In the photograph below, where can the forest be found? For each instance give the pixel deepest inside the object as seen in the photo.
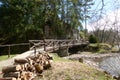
(23, 20)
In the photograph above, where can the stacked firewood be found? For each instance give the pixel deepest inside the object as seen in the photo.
(28, 68)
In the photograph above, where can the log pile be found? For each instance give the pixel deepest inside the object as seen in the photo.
(28, 68)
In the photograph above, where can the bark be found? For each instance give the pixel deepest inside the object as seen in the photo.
(13, 68)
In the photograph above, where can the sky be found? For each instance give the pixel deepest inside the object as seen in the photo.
(98, 4)
(110, 8)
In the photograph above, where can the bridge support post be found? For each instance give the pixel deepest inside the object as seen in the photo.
(63, 52)
(44, 45)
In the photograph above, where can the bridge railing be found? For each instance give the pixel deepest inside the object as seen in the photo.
(9, 47)
(53, 43)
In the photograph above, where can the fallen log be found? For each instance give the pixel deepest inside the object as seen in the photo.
(20, 61)
(12, 74)
(10, 78)
(13, 68)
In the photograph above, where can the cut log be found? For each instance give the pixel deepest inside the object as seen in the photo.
(27, 75)
(32, 58)
(22, 67)
(30, 61)
(47, 64)
(27, 68)
(39, 68)
(12, 74)
(20, 61)
(10, 78)
(13, 68)
(18, 78)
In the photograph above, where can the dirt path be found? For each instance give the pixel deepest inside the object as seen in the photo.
(23, 55)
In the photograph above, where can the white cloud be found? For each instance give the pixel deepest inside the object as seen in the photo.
(111, 20)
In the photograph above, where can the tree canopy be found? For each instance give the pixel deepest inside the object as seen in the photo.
(26, 19)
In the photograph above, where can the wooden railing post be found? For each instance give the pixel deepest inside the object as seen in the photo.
(34, 50)
(44, 45)
(9, 51)
(72, 42)
(59, 45)
(53, 46)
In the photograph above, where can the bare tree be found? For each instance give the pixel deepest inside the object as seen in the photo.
(106, 25)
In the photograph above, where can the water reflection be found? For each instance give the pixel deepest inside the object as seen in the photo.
(111, 65)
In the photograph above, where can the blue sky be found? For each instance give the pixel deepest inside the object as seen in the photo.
(109, 5)
(109, 9)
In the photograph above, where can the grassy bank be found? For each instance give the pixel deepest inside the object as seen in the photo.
(72, 70)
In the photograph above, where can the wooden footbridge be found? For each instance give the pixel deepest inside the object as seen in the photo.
(51, 44)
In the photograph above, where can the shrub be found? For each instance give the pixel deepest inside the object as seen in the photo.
(93, 39)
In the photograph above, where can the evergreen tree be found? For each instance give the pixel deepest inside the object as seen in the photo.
(26, 19)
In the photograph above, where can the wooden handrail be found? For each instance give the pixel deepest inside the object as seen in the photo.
(10, 45)
(56, 43)
(14, 44)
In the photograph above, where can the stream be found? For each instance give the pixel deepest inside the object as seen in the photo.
(111, 65)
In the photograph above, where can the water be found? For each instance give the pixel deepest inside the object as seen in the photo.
(111, 65)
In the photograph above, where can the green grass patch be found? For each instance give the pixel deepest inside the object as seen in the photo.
(57, 58)
(4, 57)
(94, 45)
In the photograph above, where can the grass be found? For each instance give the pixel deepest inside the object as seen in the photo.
(63, 69)
(4, 57)
(56, 58)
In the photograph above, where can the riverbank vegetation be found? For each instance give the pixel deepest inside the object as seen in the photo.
(97, 46)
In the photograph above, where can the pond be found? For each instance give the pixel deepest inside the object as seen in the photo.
(111, 65)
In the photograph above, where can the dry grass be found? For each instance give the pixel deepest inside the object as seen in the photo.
(73, 70)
